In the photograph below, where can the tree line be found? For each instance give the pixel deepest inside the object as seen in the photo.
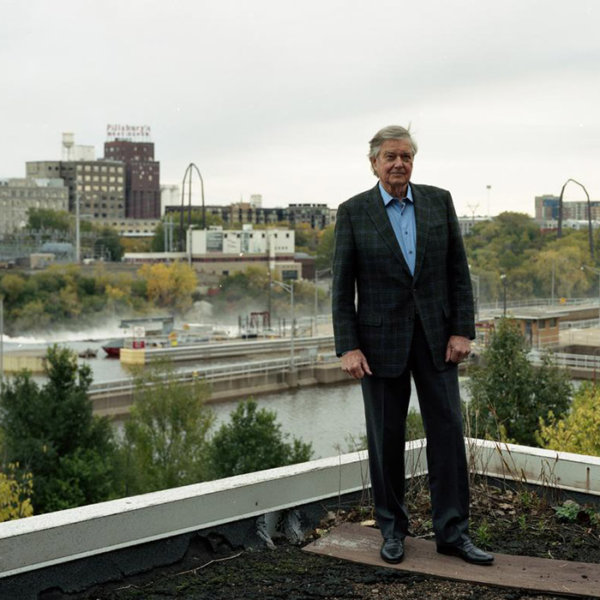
(536, 263)
(66, 296)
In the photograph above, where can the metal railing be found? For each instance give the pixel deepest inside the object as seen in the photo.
(218, 372)
(573, 361)
(215, 350)
(575, 325)
(541, 302)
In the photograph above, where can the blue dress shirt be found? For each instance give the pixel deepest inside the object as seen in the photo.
(401, 212)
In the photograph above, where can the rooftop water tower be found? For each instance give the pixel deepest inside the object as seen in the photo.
(68, 141)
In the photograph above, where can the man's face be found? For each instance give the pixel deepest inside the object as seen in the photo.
(393, 165)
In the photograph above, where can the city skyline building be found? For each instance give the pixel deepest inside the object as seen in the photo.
(142, 175)
(216, 252)
(98, 185)
(547, 206)
(19, 195)
(317, 216)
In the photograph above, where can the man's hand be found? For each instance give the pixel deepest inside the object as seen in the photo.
(354, 363)
(458, 348)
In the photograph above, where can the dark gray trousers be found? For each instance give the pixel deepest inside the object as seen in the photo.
(386, 404)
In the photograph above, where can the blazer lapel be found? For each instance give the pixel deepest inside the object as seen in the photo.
(422, 219)
(378, 214)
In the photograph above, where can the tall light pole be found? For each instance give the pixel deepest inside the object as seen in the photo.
(290, 289)
(317, 273)
(77, 225)
(476, 278)
(504, 282)
(189, 244)
(553, 281)
(597, 271)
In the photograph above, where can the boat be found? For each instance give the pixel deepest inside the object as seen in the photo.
(113, 347)
(88, 353)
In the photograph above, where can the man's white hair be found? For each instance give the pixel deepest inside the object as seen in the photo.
(391, 132)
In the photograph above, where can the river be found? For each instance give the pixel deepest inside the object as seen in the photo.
(330, 417)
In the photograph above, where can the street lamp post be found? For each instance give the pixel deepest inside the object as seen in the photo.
(189, 244)
(504, 282)
(289, 288)
(317, 273)
(77, 228)
(476, 279)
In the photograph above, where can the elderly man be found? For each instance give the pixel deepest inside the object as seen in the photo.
(402, 306)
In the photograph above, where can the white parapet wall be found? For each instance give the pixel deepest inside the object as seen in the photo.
(55, 538)
(562, 470)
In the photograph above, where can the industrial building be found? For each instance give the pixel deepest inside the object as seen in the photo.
(18, 195)
(142, 176)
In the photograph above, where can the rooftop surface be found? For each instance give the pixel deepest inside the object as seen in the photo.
(208, 540)
(342, 563)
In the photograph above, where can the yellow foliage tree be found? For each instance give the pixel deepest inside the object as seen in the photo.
(69, 300)
(15, 494)
(116, 293)
(579, 431)
(170, 286)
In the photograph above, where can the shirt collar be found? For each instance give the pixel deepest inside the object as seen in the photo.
(387, 198)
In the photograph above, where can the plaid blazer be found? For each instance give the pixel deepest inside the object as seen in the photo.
(375, 298)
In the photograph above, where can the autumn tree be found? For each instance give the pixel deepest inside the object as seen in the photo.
(508, 394)
(170, 285)
(244, 287)
(577, 431)
(165, 442)
(50, 432)
(253, 441)
(15, 494)
(306, 238)
(502, 243)
(557, 270)
(325, 247)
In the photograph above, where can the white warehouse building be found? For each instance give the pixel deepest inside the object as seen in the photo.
(269, 242)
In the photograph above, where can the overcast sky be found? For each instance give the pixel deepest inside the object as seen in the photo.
(280, 98)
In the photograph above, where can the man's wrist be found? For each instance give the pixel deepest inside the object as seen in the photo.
(347, 351)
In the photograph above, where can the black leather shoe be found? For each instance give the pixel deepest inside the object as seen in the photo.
(466, 550)
(392, 550)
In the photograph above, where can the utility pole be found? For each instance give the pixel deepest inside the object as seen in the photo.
(77, 228)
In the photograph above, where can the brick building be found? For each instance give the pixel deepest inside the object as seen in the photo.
(142, 176)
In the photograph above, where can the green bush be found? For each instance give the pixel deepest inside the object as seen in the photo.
(509, 395)
(253, 441)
